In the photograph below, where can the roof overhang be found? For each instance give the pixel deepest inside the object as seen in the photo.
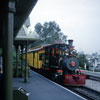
(22, 10)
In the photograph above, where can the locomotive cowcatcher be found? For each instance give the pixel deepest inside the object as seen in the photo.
(58, 62)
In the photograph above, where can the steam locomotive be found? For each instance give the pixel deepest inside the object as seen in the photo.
(58, 62)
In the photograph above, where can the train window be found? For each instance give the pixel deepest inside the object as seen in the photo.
(40, 56)
(52, 51)
(60, 52)
(47, 50)
(63, 52)
(33, 55)
(57, 51)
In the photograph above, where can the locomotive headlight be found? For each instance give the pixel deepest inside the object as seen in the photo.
(73, 63)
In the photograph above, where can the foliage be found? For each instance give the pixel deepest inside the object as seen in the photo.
(82, 60)
(49, 32)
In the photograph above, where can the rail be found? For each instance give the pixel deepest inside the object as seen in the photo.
(92, 75)
(88, 93)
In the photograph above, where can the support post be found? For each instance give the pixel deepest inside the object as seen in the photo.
(8, 52)
(22, 60)
(16, 69)
(26, 77)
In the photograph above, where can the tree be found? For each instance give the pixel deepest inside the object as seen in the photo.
(82, 60)
(49, 32)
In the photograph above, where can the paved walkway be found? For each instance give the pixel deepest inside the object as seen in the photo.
(41, 88)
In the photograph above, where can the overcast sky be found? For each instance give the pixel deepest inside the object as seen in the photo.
(78, 19)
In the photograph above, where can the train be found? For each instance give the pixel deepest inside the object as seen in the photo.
(58, 62)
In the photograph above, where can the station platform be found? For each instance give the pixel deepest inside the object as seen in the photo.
(41, 88)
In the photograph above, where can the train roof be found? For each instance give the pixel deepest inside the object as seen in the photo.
(44, 46)
(39, 47)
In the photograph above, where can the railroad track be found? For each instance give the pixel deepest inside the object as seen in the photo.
(94, 78)
(92, 75)
(89, 94)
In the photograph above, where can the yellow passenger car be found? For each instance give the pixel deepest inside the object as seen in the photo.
(35, 57)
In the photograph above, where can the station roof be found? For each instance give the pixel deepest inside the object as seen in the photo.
(25, 35)
(22, 10)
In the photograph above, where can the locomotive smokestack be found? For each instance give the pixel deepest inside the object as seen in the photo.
(70, 43)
